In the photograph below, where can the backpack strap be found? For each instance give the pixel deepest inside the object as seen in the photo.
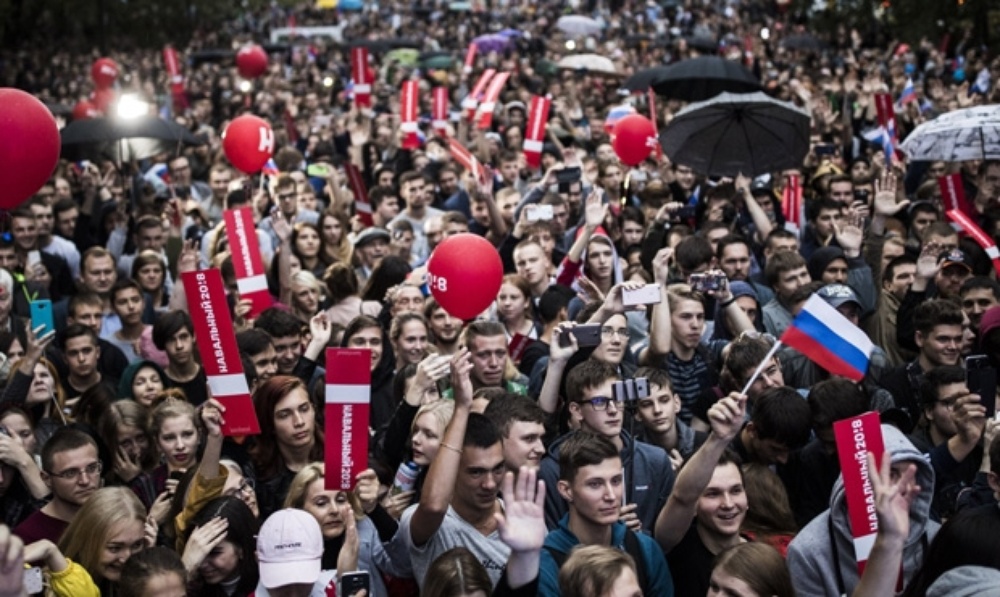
(634, 549)
(559, 556)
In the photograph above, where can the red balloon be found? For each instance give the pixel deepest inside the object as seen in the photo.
(634, 139)
(248, 142)
(251, 61)
(29, 146)
(103, 98)
(465, 273)
(85, 109)
(104, 72)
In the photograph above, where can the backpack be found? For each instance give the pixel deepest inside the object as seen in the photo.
(632, 548)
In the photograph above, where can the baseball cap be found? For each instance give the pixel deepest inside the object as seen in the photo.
(370, 234)
(955, 257)
(838, 294)
(761, 185)
(289, 548)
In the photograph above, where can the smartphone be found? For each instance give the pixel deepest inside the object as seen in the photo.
(541, 212)
(706, 282)
(981, 380)
(586, 335)
(568, 175)
(825, 149)
(352, 583)
(33, 581)
(34, 258)
(41, 316)
(861, 195)
(647, 295)
(318, 170)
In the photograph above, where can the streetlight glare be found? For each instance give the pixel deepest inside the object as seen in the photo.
(130, 106)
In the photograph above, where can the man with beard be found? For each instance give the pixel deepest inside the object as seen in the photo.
(445, 327)
(72, 471)
(50, 243)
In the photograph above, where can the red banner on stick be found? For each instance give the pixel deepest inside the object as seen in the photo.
(471, 101)
(791, 205)
(485, 110)
(470, 59)
(953, 194)
(216, 340)
(534, 138)
(348, 401)
(362, 206)
(984, 240)
(856, 437)
(408, 114)
(465, 159)
(173, 66)
(251, 278)
(362, 76)
(439, 111)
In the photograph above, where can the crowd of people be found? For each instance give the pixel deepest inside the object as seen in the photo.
(565, 441)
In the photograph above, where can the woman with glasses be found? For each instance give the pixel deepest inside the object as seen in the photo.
(219, 549)
(104, 533)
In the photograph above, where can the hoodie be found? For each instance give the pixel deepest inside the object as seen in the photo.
(652, 482)
(967, 581)
(819, 571)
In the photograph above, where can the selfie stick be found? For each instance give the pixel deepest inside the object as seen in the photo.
(767, 359)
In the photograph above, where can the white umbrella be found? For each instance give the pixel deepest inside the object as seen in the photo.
(958, 136)
(579, 25)
(593, 63)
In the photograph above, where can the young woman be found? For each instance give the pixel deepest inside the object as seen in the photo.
(104, 533)
(289, 439)
(156, 571)
(124, 429)
(514, 307)
(307, 295)
(750, 570)
(428, 429)
(331, 509)
(141, 381)
(219, 551)
(22, 490)
(390, 272)
(344, 295)
(408, 334)
(175, 432)
(307, 245)
(34, 386)
(364, 331)
(336, 245)
(148, 270)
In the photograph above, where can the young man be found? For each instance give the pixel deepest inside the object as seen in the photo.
(385, 205)
(127, 303)
(593, 408)
(98, 274)
(978, 294)
(897, 276)
(938, 338)
(285, 331)
(259, 348)
(592, 483)
(148, 234)
(88, 309)
(531, 264)
(786, 272)
(82, 351)
(658, 416)
(821, 231)
(445, 328)
(487, 344)
(370, 247)
(707, 505)
(287, 198)
(24, 229)
(521, 423)
(412, 190)
(72, 471)
(173, 333)
(48, 242)
(735, 259)
(779, 424)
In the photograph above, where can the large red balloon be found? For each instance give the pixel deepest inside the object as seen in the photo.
(248, 142)
(251, 61)
(464, 273)
(29, 146)
(103, 98)
(85, 109)
(104, 72)
(634, 139)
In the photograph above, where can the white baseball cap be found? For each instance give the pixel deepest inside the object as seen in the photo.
(289, 548)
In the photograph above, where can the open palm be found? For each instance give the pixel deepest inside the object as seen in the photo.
(522, 525)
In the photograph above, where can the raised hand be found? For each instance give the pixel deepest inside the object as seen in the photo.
(558, 352)
(203, 540)
(366, 490)
(188, 259)
(661, 265)
(211, 416)
(850, 237)
(461, 366)
(11, 564)
(281, 226)
(594, 211)
(395, 504)
(927, 262)
(522, 524)
(727, 416)
(126, 467)
(36, 345)
(893, 498)
(885, 196)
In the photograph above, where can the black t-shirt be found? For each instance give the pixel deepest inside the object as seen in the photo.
(196, 390)
(690, 565)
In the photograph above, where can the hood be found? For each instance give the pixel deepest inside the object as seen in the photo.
(128, 376)
(901, 450)
(967, 581)
(989, 322)
(821, 259)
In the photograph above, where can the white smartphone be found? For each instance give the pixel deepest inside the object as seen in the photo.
(34, 258)
(647, 295)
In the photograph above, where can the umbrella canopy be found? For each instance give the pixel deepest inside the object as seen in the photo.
(579, 25)
(644, 79)
(958, 136)
(702, 78)
(438, 60)
(123, 140)
(734, 133)
(492, 42)
(404, 56)
(511, 33)
(384, 45)
(702, 43)
(591, 63)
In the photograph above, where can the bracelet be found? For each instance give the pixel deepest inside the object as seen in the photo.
(452, 448)
(727, 303)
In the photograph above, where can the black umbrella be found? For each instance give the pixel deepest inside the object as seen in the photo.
(123, 139)
(644, 79)
(702, 43)
(703, 78)
(384, 45)
(748, 133)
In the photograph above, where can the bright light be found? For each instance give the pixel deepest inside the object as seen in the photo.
(571, 45)
(246, 86)
(130, 106)
(765, 33)
(327, 81)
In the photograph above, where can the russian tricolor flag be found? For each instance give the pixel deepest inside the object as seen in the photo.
(270, 168)
(909, 93)
(829, 339)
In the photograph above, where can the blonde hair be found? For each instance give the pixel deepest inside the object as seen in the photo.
(676, 293)
(169, 409)
(84, 538)
(441, 410)
(591, 570)
(309, 474)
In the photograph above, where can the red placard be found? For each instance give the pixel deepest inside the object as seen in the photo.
(439, 111)
(348, 399)
(472, 100)
(791, 205)
(220, 357)
(516, 347)
(953, 194)
(470, 59)
(362, 206)
(534, 138)
(362, 77)
(408, 114)
(485, 110)
(173, 66)
(465, 159)
(251, 278)
(651, 95)
(856, 437)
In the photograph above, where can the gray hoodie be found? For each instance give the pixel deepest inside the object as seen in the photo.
(967, 581)
(811, 557)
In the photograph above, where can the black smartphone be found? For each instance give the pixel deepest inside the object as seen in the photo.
(568, 175)
(586, 335)
(981, 380)
(825, 149)
(352, 583)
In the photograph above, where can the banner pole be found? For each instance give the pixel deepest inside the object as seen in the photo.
(767, 358)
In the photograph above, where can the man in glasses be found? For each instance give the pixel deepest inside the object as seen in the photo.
(72, 471)
(648, 473)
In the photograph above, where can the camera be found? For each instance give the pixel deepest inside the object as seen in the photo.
(630, 390)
